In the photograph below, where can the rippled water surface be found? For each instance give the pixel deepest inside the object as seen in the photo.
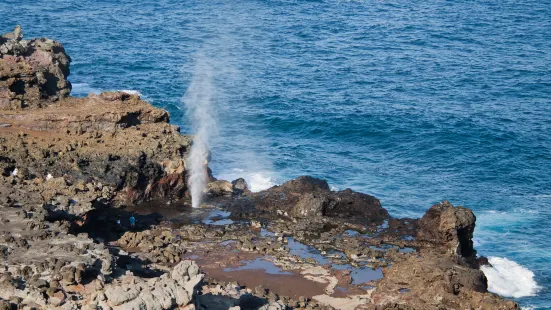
(413, 102)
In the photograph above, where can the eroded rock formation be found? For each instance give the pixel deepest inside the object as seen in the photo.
(118, 141)
(33, 72)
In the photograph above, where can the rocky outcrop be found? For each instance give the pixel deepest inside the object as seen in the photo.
(64, 164)
(430, 281)
(114, 139)
(435, 272)
(33, 73)
(171, 290)
(309, 197)
(164, 248)
(452, 227)
(41, 259)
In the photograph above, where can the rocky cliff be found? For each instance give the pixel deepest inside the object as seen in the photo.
(113, 142)
(62, 158)
(33, 72)
(72, 170)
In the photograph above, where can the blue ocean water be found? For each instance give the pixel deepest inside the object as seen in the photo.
(411, 101)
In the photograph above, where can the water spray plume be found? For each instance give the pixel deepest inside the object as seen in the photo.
(198, 100)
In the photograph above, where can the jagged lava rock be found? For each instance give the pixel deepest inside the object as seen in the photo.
(240, 187)
(451, 226)
(172, 290)
(306, 196)
(114, 138)
(33, 73)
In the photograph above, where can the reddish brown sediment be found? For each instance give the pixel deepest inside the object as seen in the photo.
(222, 264)
(293, 285)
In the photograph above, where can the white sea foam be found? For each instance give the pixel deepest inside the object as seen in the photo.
(259, 182)
(256, 180)
(526, 211)
(131, 92)
(83, 89)
(508, 278)
(497, 212)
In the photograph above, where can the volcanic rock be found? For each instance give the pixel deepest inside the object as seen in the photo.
(219, 188)
(451, 226)
(33, 73)
(310, 197)
(172, 290)
(240, 186)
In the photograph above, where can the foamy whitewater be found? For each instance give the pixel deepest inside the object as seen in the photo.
(508, 278)
(256, 180)
(131, 92)
(198, 100)
(83, 89)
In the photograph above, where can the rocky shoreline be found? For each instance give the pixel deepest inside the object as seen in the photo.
(70, 167)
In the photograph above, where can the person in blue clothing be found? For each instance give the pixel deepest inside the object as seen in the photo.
(132, 220)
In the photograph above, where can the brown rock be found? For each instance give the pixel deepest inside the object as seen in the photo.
(310, 197)
(219, 188)
(57, 299)
(68, 274)
(35, 74)
(453, 226)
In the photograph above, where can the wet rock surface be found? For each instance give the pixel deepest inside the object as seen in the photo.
(74, 170)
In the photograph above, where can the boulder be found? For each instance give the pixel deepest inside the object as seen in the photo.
(219, 188)
(10, 43)
(273, 306)
(239, 186)
(451, 226)
(348, 203)
(311, 204)
(308, 197)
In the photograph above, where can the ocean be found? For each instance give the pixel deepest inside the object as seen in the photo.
(413, 102)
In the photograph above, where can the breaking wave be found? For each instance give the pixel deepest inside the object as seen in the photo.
(83, 89)
(131, 92)
(257, 181)
(508, 278)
